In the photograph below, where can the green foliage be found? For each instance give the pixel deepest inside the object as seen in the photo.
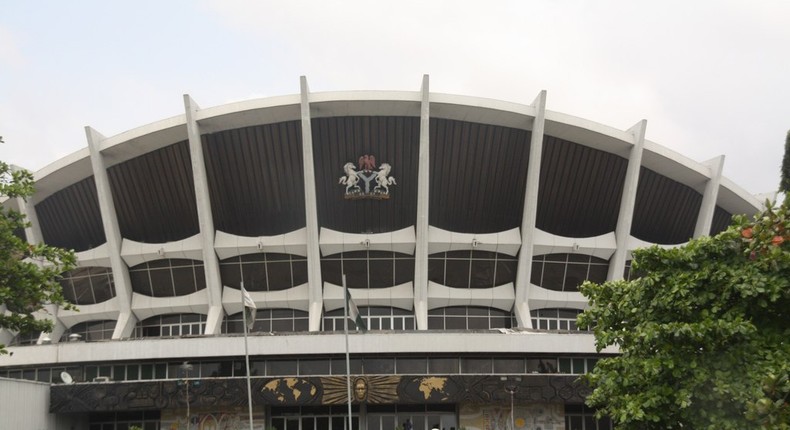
(28, 273)
(704, 336)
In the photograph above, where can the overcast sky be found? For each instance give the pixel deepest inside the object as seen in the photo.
(710, 77)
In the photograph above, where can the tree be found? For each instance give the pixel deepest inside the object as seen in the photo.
(28, 273)
(704, 334)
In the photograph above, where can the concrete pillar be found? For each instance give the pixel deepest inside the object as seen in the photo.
(708, 207)
(205, 220)
(316, 296)
(530, 215)
(120, 272)
(423, 188)
(627, 202)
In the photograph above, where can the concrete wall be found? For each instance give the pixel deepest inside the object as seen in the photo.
(25, 405)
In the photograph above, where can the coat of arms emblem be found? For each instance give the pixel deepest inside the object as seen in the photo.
(366, 174)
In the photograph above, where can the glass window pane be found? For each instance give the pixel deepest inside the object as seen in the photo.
(281, 367)
(314, 367)
(553, 276)
(416, 366)
(279, 275)
(476, 365)
(443, 365)
(381, 366)
(508, 365)
(457, 274)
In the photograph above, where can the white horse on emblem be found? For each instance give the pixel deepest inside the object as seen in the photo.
(383, 180)
(351, 179)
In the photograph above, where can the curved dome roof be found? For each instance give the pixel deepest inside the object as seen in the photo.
(479, 150)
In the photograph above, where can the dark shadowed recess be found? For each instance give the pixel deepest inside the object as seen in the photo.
(256, 179)
(721, 220)
(70, 218)
(154, 195)
(580, 189)
(478, 176)
(665, 211)
(340, 140)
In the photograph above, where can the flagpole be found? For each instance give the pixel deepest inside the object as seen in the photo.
(246, 353)
(348, 359)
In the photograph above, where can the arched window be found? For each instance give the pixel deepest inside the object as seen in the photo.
(376, 318)
(269, 320)
(265, 271)
(88, 285)
(472, 269)
(168, 278)
(555, 319)
(469, 318)
(566, 272)
(91, 330)
(368, 269)
(171, 325)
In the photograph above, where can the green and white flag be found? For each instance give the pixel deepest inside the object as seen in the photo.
(353, 313)
(249, 307)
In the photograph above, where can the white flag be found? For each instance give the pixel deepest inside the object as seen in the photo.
(249, 307)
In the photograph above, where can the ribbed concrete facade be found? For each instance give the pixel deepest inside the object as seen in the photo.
(463, 225)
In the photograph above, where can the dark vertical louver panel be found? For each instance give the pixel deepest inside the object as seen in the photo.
(478, 176)
(392, 140)
(580, 189)
(71, 218)
(256, 179)
(154, 195)
(665, 211)
(721, 220)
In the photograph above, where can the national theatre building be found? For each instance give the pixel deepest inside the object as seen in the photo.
(463, 226)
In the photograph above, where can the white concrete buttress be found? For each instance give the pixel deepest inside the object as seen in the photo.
(708, 207)
(627, 202)
(112, 231)
(314, 281)
(423, 194)
(530, 214)
(205, 220)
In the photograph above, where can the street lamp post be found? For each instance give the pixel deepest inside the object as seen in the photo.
(511, 385)
(186, 368)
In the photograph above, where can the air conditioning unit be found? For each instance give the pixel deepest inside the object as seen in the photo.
(101, 379)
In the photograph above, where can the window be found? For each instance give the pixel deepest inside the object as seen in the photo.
(566, 272)
(469, 318)
(580, 417)
(472, 269)
(91, 330)
(368, 269)
(375, 317)
(171, 326)
(88, 285)
(168, 277)
(555, 319)
(265, 271)
(269, 320)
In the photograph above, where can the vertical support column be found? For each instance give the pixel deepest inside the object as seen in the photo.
(423, 194)
(709, 196)
(120, 272)
(627, 202)
(530, 215)
(314, 281)
(205, 219)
